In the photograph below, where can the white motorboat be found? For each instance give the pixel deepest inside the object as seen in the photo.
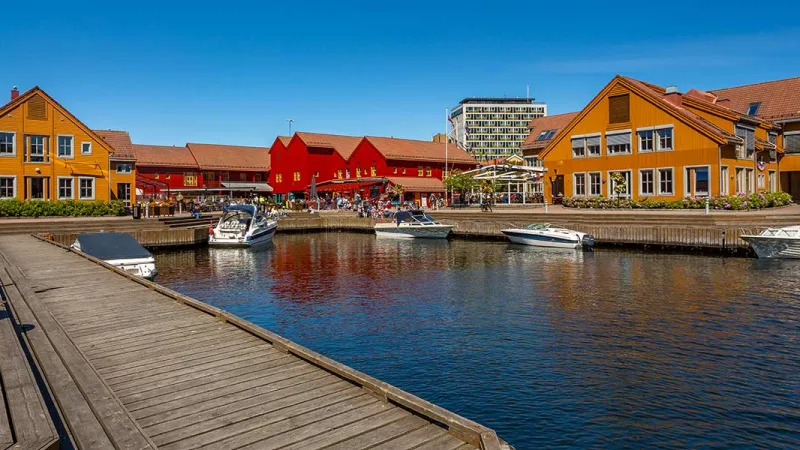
(120, 250)
(545, 235)
(783, 243)
(412, 224)
(242, 226)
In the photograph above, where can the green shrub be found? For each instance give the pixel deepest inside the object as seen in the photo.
(739, 202)
(61, 208)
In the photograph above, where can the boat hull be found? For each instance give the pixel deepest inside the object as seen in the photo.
(391, 231)
(540, 240)
(261, 238)
(774, 247)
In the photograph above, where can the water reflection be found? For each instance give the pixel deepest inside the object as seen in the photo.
(554, 349)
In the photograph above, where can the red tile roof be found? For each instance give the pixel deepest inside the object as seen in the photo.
(285, 140)
(164, 156)
(343, 145)
(556, 122)
(423, 151)
(418, 184)
(230, 157)
(120, 141)
(780, 99)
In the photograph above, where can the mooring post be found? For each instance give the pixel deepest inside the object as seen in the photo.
(708, 205)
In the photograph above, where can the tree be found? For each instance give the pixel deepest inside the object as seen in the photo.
(619, 183)
(459, 182)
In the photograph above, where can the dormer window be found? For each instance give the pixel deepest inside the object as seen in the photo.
(546, 135)
(752, 108)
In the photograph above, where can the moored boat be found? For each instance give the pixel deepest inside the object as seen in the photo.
(781, 243)
(120, 250)
(545, 235)
(412, 224)
(242, 226)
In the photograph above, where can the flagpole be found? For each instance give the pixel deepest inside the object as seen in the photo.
(446, 139)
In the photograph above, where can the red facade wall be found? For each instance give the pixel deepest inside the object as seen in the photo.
(297, 157)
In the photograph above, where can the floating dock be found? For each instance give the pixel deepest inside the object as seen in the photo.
(97, 359)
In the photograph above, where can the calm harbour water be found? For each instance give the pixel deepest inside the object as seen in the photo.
(552, 349)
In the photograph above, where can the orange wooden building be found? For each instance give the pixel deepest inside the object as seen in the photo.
(664, 144)
(46, 153)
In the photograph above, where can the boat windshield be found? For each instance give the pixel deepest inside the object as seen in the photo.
(235, 220)
(538, 226)
(423, 218)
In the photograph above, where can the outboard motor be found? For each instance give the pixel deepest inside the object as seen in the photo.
(588, 242)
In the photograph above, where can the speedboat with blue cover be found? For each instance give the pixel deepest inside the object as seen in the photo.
(242, 226)
(412, 224)
(120, 250)
(546, 235)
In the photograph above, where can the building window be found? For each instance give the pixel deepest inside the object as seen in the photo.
(347, 173)
(419, 171)
(340, 173)
(619, 109)
(86, 148)
(65, 188)
(618, 143)
(752, 108)
(86, 188)
(746, 149)
(297, 176)
(373, 171)
(36, 148)
(724, 181)
(665, 182)
(612, 191)
(258, 178)
(124, 168)
(696, 181)
(595, 184)
(358, 172)
(168, 176)
(316, 174)
(593, 145)
(646, 141)
(404, 170)
(225, 176)
(761, 182)
(155, 175)
(665, 139)
(65, 147)
(579, 184)
(773, 181)
(428, 171)
(578, 147)
(7, 143)
(243, 176)
(791, 143)
(208, 176)
(189, 179)
(647, 180)
(8, 187)
(394, 170)
(278, 178)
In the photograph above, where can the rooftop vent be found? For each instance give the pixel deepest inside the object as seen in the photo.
(671, 90)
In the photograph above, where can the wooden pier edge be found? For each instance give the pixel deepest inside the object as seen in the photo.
(473, 432)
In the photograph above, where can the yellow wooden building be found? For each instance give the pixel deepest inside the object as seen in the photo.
(46, 153)
(662, 143)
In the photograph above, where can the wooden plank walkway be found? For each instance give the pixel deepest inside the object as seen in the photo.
(160, 370)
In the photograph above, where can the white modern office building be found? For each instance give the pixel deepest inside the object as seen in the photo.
(492, 128)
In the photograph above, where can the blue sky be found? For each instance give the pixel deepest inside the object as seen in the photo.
(172, 72)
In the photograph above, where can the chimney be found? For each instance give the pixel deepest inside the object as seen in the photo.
(14, 93)
(672, 95)
(726, 102)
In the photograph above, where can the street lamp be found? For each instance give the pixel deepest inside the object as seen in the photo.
(291, 121)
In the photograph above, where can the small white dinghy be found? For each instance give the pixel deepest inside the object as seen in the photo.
(120, 250)
(412, 224)
(781, 243)
(545, 235)
(242, 226)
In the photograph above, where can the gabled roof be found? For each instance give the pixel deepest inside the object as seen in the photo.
(656, 96)
(556, 122)
(421, 151)
(502, 160)
(285, 140)
(230, 157)
(418, 184)
(780, 99)
(36, 90)
(343, 145)
(164, 156)
(120, 141)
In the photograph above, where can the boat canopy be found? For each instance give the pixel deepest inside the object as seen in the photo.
(250, 209)
(110, 246)
(410, 216)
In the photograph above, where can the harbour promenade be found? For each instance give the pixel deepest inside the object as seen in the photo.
(99, 359)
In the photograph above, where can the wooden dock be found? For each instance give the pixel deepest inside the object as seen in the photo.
(127, 364)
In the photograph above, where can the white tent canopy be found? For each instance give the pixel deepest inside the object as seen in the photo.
(525, 180)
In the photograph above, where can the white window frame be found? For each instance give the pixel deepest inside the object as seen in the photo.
(639, 132)
(58, 188)
(773, 181)
(724, 180)
(572, 147)
(629, 132)
(72, 146)
(116, 168)
(658, 138)
(686, 180)
(94, 188)
(654, 180)
(589, 184)
(13, 144)
(658, 180)
(575, 184)
(611, 193)
(761, 182)
(90, 148)
(13, 177)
